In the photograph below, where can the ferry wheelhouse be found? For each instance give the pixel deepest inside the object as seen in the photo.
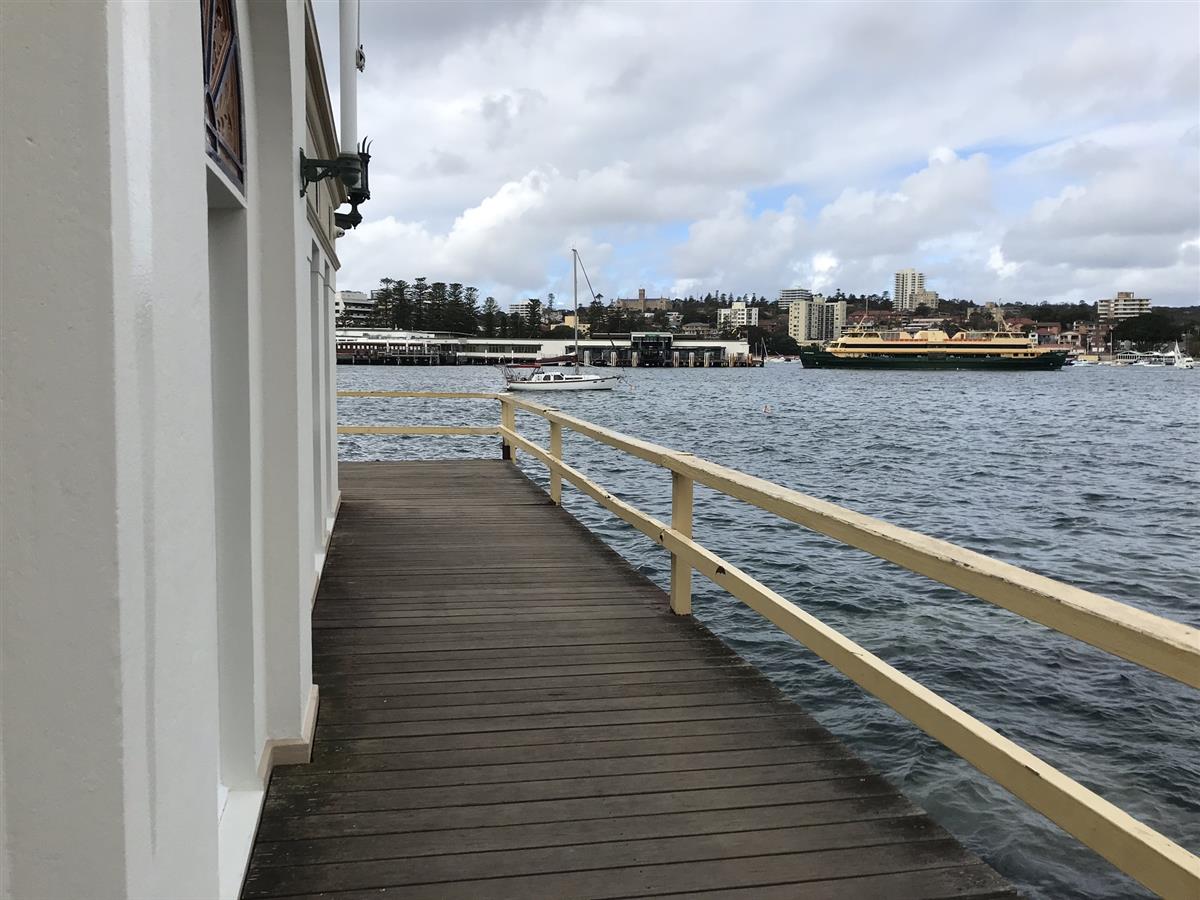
(933, 349)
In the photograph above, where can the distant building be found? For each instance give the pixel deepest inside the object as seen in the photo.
(699, 329)
(815, 320)
(909, 282)
(523, 306)
(674, 320)
(1123, 306)
(643, 304)
(1094, 336)
(788, 296)
(353, 309)
(568, 319)
(912, 326)
(738, 315)
(1046, 332)
(928, 299)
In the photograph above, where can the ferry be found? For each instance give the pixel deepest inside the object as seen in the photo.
(933, 349)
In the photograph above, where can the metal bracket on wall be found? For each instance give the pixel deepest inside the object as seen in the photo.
(348, 168)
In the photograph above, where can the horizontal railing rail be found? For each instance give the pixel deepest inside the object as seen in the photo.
(1156, 643)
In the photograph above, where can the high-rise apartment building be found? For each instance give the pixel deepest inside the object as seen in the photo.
(1123, 306)
(909, 282)
(353, 309)
(815, 320)
(737, 315)
(788, 296)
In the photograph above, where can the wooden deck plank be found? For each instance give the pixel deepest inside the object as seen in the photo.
(508, 709)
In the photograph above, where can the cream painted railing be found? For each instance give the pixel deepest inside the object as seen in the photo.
(1167, 647)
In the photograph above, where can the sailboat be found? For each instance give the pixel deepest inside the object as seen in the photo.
(557, 381)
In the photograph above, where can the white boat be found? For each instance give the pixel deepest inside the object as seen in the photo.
(557, 381)
(1178, 358)
(541, 380)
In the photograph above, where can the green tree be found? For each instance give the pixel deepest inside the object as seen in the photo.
(516, 325)
(435, 311)
(491, 312)
(381, 312)
(471, 310)
(401, 305)
(534, 320)
(594, 313)
(419, 300)
(1147, 330)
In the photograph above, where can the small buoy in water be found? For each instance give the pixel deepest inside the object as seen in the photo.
(766, 409)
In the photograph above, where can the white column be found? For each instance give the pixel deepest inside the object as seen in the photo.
(348, 83)
(108, 645)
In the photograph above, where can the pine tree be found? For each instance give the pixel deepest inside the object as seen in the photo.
(595, 314)
(535, 316)
(470, 323)
(455, 309)
(435, 312)
(490, 316)
(400, 311)
(381, 312)
(418, 299)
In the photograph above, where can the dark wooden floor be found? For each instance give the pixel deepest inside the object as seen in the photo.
(508, 710)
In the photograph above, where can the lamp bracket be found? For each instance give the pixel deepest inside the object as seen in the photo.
(347, 167)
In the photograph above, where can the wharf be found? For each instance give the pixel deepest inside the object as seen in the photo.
(508, 709)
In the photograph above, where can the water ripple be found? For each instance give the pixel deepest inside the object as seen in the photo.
(1077, 475)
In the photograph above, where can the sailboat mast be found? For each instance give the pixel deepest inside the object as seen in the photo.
(575, 279)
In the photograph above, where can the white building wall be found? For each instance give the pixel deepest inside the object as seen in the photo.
(169, 473)
(109, 649)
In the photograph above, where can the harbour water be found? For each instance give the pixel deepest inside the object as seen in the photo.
(1090, 476)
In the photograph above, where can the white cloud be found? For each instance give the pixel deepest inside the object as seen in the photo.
(1042, 149)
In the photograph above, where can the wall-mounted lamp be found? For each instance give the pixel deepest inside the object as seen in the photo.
(352, 169)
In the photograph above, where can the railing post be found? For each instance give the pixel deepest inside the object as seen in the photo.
(556, 451)
(508, 419)
(681, 521)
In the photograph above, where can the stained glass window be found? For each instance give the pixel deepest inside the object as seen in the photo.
(224, 132)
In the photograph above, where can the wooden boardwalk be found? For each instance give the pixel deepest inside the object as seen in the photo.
(509, 710)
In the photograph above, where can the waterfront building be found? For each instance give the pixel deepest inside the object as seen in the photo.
(908, 283)
(643, 304)
(738, 315)
(169, 479)
(788, 296)
(1123, 306)
(811, 321)
(698, 329)
(353, 309)
(367, 347)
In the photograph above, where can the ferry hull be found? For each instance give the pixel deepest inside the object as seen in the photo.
(823, 359)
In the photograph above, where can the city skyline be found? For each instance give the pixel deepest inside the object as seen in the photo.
(1006, 150)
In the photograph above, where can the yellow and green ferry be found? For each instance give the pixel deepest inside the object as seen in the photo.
(933, 349)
